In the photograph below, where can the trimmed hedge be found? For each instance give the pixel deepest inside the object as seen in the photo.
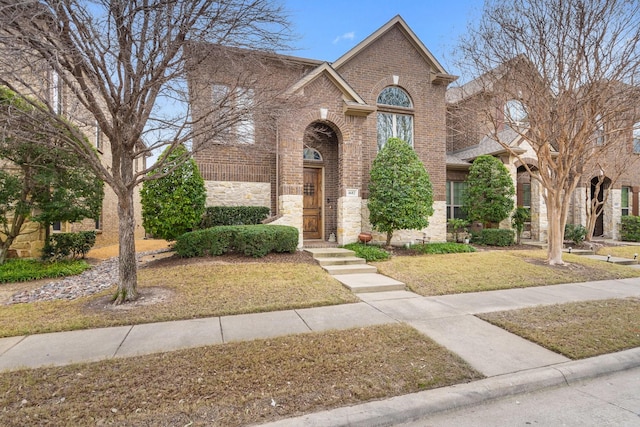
(63, 245)
(215, 216)
(494, 237)
(630, 228)
(250, 240)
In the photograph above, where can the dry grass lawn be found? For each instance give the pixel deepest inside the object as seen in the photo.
(620, 251)
(201, 289)
(576, 330)
(483, 271)
(234, 384)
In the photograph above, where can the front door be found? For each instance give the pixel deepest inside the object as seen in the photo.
(312, 204)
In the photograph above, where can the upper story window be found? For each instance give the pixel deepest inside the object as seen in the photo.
(599, 132)
(515, 114)
(235, 109)
(636, 137)
(395, 116)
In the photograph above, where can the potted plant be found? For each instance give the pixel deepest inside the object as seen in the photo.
(456, 227)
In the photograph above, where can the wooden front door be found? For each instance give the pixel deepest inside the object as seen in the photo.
(312, 203)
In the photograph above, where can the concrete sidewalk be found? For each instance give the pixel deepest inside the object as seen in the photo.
(511, 363)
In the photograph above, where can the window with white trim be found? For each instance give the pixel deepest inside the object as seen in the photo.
(455, 193)
(636, 138)
(397, 122)
(515, 113)
(625, 199)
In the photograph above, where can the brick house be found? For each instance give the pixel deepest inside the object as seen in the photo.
(310, 163)
(31, 241)
(470, 134)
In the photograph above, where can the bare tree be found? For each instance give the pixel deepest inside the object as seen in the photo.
(123, 65)
(564, 62)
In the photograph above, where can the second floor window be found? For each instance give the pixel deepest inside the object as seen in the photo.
(234, 111)
(395, 116)
(636, 138)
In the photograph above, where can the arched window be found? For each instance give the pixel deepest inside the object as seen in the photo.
(311, 154)
(515, 114)
(636, 137)
(397, 120)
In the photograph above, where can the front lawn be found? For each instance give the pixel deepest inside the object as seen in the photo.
(490, 270)
(197, 289)
(22, 270)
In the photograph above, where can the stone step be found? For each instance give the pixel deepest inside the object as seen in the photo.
(349, 269)
(352, 260)
(329, 252)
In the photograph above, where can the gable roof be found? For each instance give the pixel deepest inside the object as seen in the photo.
(489, 146)
(353, 103)
(438, 75)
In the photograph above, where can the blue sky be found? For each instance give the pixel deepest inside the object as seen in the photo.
(329, 28)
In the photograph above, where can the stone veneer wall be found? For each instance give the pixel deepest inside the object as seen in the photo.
(435, 232)
(290, 213)
(230, 193)
(349, 219)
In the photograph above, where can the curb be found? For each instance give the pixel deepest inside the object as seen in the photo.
(412, 407)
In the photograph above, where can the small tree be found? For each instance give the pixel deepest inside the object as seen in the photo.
(519, 217)
(490, 191)
(173, 204)
(400, 192)
(39, 183)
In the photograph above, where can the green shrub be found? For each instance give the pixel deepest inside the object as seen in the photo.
(575, 233)
(259, 240)
(369, 252)
(63, 245)
(215, 216)
(442, 248)
(250, 240)
(21, 270)
(630, 228)
(494, 237)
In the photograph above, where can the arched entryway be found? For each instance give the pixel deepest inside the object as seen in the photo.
(321, 181)
(599, 186)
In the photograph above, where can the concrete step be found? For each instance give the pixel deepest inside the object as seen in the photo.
(349, 269)
(329, 252)
(352, 260)
(367, 282)
(614, 260)
(578, 251)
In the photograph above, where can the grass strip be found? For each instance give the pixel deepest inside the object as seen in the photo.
(576, 330)
(22, 270)
(234, 384)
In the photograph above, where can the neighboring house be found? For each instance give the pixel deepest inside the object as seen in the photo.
(31, 241)
(310, 163)
(470, 134)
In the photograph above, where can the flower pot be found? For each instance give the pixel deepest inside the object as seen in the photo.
(365, 237)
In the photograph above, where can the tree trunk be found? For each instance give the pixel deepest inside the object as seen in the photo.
(389, 236)
(556, 221)
(4, 250)
(128, 274)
